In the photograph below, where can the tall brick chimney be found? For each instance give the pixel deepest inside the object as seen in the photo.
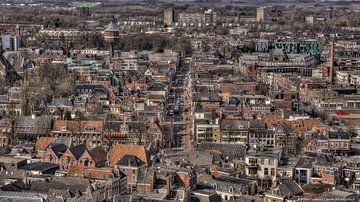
(331, 62)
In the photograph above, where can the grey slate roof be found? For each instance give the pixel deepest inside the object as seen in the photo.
(290, 187)
(234, 124)
(257, 123)
(199, 158)
(41, 122)
(77, 151)
(338, 135)
(325, 159)
(41, 166)
(130, 159)
(206, 97)
(238, 185)
(232, 151)
(58, 149)
(74, 185)
(22, 196)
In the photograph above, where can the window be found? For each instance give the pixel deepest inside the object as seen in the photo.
(262, 161)
(266, 171)
(272, 171)
(252, 171)
(231, 189)
(271, 161)
(252, 161)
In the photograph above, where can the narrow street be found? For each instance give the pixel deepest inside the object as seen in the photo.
(177, 113)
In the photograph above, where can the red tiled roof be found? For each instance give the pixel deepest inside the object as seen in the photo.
(43, 142)
(92, 173)
(272, 119)
(98, 154)
(307, 141)
(120, 150)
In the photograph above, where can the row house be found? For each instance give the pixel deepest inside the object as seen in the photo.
(6, 129)
(10, 107)
(327, 170)
(207, 100)
(207, 131)
(343, 102)
(79, 155)
(89, 133)
(262, 164)
(351, 175)
(288, 142)
(335, 142)
(234, 131)
(259, 134)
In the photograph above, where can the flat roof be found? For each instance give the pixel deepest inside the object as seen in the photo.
(10, 159)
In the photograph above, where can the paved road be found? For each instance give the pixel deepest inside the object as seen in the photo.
(175, 128)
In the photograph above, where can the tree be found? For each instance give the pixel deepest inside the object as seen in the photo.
(67, 115)
(47, 81)
(79, 115)
(55, 80)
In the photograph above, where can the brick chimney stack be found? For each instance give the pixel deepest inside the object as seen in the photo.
(331, 62)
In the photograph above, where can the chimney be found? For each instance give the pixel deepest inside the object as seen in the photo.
(331, 62)
(167, 183)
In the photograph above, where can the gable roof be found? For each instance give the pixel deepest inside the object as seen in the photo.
(120, 150)
(43, 142)
(308, 140)
(58, 149)
(98, 154)
(78, 151)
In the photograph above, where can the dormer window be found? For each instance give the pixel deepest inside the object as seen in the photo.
(63, 128)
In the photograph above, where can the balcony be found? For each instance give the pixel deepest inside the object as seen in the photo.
(252, 165)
